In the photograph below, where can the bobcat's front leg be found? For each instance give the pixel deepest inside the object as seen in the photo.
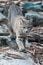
(19, 42)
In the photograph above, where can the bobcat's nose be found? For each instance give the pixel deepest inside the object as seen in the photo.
(26, 31)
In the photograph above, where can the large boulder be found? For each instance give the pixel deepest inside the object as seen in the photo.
(37, 18)
(32, 6)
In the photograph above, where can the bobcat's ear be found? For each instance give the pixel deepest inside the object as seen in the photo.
(23, 20)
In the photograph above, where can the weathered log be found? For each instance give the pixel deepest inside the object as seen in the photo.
(36, 34)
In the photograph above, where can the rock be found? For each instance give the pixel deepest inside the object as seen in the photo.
(34, 14)
(16, 57)
(1, 9)
(17, 62)
(30, 6)
(37, 17)
(2, 16)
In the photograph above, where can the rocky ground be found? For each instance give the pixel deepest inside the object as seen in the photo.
(9, 56)
(9, 53)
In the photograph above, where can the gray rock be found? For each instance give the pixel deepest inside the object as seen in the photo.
(2, 16)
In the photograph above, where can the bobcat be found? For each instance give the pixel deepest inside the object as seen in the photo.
(20, 26)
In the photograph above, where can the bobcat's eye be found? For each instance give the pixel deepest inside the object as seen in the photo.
(28, 27)
(23, 27)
